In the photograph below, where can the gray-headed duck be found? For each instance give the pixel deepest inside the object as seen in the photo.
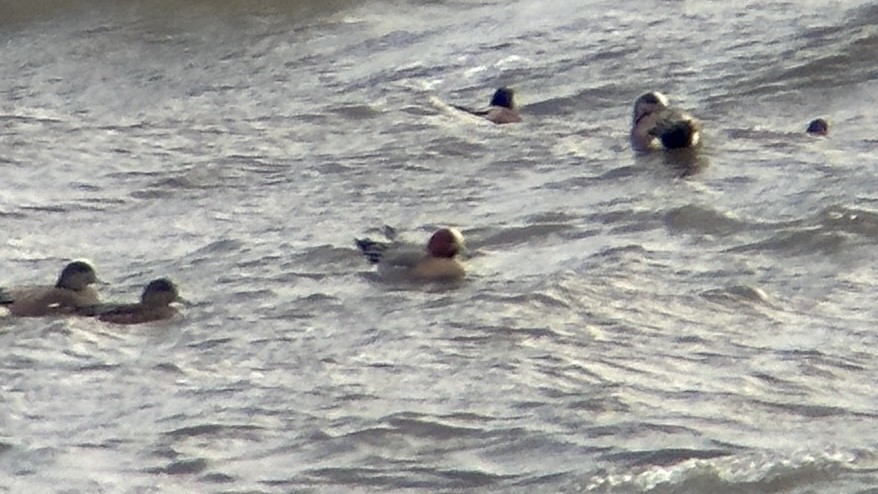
(438, 262)
(71, 291)
(155, 305)
(654, 122)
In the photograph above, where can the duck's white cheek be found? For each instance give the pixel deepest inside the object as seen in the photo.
(696, 137)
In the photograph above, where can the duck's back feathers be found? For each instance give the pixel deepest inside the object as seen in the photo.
(471, 111)
(47, 301)
(98, 309)
(503, 115)
(127, 313)
(122, 316)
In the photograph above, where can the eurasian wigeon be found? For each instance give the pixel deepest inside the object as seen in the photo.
(72, 290)
(654, 119)
(818, 127)
(155, 305)
(501, 110)
(439, 262)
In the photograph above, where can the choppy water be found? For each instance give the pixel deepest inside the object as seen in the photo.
(629, 325)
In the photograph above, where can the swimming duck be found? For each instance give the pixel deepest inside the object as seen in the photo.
(437, 263)
(501, 110)
(818, 127)
(155, 305)
(72, 290)
(654, 119)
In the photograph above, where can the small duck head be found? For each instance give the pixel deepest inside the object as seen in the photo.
(446, 242)
(818, 127)
(504, 97)
(76, 276)
(647, 104)
(160, 292)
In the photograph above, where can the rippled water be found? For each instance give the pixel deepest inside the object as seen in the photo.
(657, 323)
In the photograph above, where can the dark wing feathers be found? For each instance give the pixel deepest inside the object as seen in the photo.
(372, 249)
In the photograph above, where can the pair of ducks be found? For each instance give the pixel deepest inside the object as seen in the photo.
(654, 120)
(655, 124)
(72, 294)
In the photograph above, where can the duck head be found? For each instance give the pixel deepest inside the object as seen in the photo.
(647, 104)
(76, 276)
(446, 242)
(504, 97)
(160, 292)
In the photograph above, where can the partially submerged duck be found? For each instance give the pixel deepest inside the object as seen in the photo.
(501, 110)
(818, 127)
(655, 124)
(438, 262)
(155, 305)
(71, 291)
